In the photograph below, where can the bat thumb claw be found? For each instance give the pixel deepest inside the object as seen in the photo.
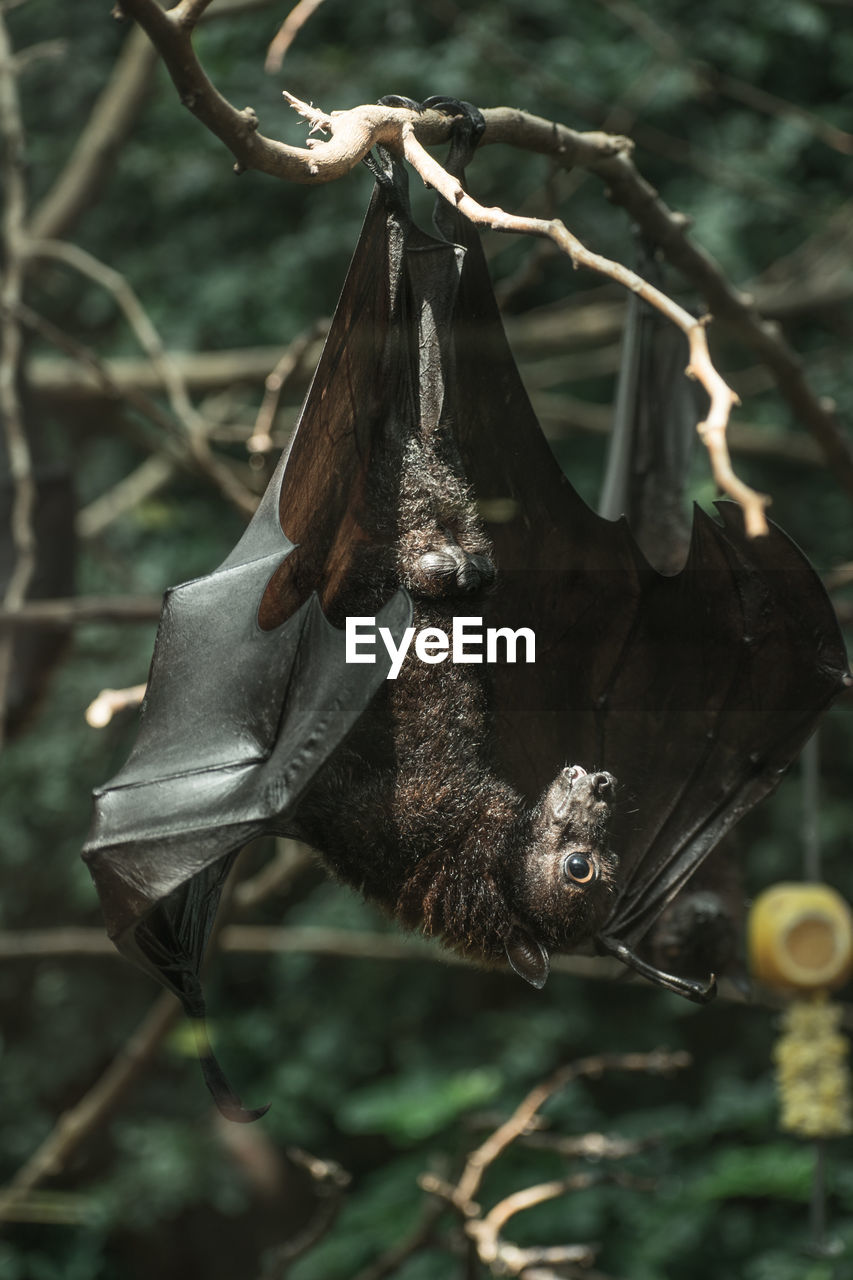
(227, 1101)
(691, 988)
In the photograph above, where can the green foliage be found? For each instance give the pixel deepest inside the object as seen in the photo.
(418, 1104)
(395, 1069)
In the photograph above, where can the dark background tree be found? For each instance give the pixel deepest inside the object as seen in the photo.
(389, 1066)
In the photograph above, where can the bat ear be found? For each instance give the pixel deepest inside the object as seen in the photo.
(528, 957)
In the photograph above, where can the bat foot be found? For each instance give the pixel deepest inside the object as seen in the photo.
(700, 992)
(450, 571)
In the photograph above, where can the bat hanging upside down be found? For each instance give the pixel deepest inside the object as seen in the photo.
(411, 809)
(446, 795)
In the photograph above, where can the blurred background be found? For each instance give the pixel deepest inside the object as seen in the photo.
(380, 1058)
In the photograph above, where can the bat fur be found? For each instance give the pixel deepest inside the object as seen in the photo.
(454, 849)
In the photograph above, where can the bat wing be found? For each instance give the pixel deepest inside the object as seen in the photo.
(249, 690)
(696, 690)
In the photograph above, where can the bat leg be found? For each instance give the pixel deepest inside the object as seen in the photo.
(691, 988)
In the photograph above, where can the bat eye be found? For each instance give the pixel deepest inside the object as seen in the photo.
(578, 867)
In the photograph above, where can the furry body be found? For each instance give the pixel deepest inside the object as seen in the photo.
(410, 810)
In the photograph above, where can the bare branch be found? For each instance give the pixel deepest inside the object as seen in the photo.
(100, 712)
(484, 1230)
(96, 149)
(247, 939)
(288, 31)
(357, 130)
(81, 609)
(261, 441)
(660, 1062)
(142, 483)
(17, 447)
(135, 315)
(505, 1258)
(192, 453)
(95, 1107)
(713, 429)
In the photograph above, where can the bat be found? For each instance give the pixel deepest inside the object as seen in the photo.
(323, 682)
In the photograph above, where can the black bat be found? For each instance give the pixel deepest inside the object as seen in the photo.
(419, 491)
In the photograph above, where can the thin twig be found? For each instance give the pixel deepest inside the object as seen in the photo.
(126, 494)
(261, 441)
(505, 1258)
(99, 143)
(19, 458)
(287, 33)
(136, 316)
(190, 453)
(81, 609)
(502, 1257)
(87, 1115)
(255, 939)
(101, 710)
(392, 1259)
(659, 1062)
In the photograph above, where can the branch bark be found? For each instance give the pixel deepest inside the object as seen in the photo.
(19, 458)
(501, 1256)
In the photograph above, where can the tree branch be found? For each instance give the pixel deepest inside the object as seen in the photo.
(484, 1229)
(660, 1062)
(135, 315)
(354, 132)
(94, 1107)
(19, 458)
(80, 609)
(288, 31)
(190, 452)
(712, 430)
(94, 153)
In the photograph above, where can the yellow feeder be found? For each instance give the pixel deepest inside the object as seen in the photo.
(801, 937)
(801, 940)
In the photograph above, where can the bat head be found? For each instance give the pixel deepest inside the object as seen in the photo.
(566, 876)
